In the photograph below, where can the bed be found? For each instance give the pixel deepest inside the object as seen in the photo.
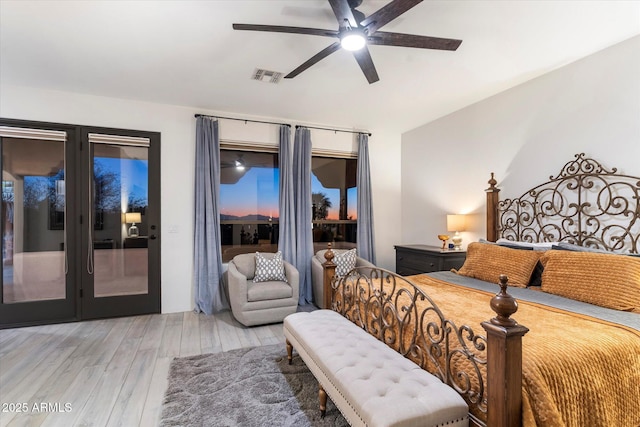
(559, 343)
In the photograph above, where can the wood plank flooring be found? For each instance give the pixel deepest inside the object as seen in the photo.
(110, 372)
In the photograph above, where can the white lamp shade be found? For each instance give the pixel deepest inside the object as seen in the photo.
(456, 223)
(132, 217)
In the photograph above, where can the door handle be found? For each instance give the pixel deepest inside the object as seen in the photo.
(152, 237)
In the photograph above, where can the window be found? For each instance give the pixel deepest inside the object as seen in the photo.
(249, 210)
(249, 196)
(334, 198)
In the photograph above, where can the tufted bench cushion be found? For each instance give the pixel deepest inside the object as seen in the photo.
(371, 384)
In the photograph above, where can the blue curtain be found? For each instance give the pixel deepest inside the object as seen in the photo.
(366, 243)
(302, 201)
(209, 295)
(286, 222)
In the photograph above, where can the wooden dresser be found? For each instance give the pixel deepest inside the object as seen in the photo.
(416, 259)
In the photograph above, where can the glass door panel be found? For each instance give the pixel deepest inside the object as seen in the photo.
(38, 200)
(80, 223)
(33, 220)
(120, 235)
(121, 239)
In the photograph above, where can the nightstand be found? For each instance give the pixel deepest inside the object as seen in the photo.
(417, 259)
(136, 242)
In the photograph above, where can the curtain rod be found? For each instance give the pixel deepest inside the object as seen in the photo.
(333, 130)
(242, 120)
(275, 123)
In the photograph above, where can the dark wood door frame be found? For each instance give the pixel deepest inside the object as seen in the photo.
(48, 311)
(77, 305)
(94, 308)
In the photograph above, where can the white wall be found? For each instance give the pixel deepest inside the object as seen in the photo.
(177, 127)
(524, 135)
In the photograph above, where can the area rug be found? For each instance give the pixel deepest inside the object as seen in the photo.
(245, 387)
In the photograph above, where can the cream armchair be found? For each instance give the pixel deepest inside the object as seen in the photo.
(263, 302)
(317, 273)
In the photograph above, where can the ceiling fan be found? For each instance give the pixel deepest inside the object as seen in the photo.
(355, 32)
(229, 159)
(242, 161)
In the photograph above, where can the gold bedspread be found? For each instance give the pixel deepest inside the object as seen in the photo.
(577, 371)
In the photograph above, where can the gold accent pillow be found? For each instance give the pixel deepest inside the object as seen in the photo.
(487, 262)
(607, 280)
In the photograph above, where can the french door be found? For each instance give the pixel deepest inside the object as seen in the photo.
(80, 222)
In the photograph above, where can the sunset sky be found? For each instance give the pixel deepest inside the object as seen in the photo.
(257, 193)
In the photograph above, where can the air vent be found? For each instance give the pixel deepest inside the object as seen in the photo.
(266, 76)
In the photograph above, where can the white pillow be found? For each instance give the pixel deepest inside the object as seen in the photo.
(537, 246)
(345, 262)
(269, 269)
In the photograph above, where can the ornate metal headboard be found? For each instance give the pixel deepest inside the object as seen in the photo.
(585, 204)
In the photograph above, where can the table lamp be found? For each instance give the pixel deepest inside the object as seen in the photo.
(133, 218)
(457, 224)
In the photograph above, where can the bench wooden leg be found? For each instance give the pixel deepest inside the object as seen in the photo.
(323, 401)
(289, 352)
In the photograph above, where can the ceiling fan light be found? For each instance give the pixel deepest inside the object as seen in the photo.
(353, 41)
(239, 164)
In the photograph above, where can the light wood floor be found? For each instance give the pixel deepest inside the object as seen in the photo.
(109, 372)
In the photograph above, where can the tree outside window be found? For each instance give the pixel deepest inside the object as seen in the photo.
(334, 199)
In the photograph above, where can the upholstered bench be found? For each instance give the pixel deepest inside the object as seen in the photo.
(369, 382)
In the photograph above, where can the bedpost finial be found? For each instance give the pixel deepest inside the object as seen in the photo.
(504, 305)
(329, 255)
(504, 282)
(492, 181)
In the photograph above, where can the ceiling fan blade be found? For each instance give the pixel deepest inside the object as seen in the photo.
(314, 59)
(343, 12)
(410, 40)
(387, 14)
(286, 29)
(366, 64)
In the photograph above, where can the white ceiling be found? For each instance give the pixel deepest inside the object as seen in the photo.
(186, 53)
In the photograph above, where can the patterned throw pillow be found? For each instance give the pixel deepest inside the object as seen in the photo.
(269, 269)
(345, 262)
